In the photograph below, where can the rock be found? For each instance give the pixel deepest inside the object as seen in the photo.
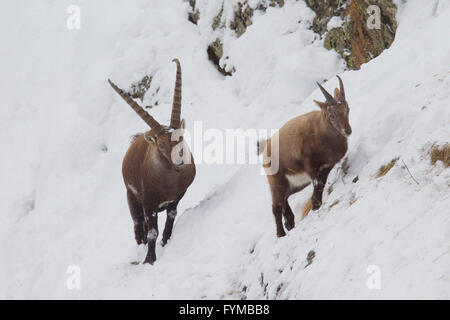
(139, 89)
(217, 20)
(336, 40)
(310, 257)
(274, 3)
(325, 9)
(194, 14)
(242, 18)
(355, 41)
(215, 53)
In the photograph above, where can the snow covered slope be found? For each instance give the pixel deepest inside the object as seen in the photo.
(64, 133)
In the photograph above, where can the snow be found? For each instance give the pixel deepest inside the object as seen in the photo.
(335, 22)
(64, 133)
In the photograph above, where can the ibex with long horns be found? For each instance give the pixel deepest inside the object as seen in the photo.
(157, 170)
(308, 148)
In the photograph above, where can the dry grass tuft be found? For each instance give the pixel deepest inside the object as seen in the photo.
(440, 154)
(333, 204)
(385, 168)
(352, 199)
(330, 189)
(306, 208)
(345, 166)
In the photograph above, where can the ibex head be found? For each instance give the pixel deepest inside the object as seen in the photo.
(335, 109)
(170, 143)
(168, 140)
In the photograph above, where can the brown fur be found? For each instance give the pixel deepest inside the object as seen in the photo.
(146, 169)
(157, 170)
(154, 184)
(309, 147)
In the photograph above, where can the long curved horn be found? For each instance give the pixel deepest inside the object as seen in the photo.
(341, 89)
(176, 107)
(154, 125)
(328, 96)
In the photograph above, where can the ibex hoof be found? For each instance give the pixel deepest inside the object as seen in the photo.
(139, 235)
(316, 205)
(289, 225)
(150, 261)
(140, 239)
(281, 234)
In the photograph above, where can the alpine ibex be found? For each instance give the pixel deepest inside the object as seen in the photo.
(308, 148)
(157, 170)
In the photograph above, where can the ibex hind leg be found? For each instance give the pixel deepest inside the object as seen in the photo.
(277, 209)
(289, 219)
(278, 204)
(171, 215)
(319, 185)
(151, 218)
(137, 214)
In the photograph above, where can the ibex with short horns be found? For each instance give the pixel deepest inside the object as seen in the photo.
(308, 148)
(157, 170)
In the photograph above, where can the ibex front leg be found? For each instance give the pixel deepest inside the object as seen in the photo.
(151, 218)
(171, 215)
(137, 213)
(319, 183)
(278, 203)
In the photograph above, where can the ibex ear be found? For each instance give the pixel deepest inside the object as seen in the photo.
(149, 138)
(182, 124)
(337, 94)
(322, 105)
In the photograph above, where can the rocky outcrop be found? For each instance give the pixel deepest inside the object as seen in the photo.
(242, 18)
(344, 25)
(356, 39)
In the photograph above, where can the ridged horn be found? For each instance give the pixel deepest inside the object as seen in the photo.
(328, 96)
(341, 89)
(154, 125)
(176, 107)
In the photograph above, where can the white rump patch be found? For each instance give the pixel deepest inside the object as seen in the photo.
(297, 180)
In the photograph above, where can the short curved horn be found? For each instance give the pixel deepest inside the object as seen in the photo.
(176, 107)
(341, 89)
(154, 125)
(328, 96)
